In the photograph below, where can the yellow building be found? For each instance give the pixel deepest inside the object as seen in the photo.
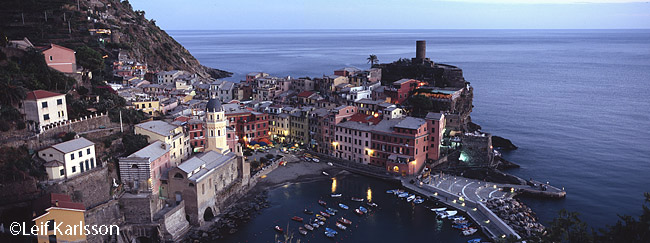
(68, 216)
(147, 106)
(170, 134)
(215, 121)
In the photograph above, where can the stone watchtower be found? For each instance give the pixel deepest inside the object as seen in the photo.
(244, 164)
(215, 123)
(421, 53)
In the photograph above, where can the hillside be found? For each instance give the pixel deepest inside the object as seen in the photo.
(70, 23)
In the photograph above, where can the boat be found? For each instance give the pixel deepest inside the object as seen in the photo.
(315, 225)
(460, 222)
(309, 227)
(320, 217)
(296, 218)
(324, 214)
(331, 230)
(321, 222)
(458, 217)
(410, 198)
(391, 191)
(330, 212)
(345, 221)
(340, 226)
(418, 201)
(398, 191)
(364, 210)
(337, 195)
(477, 240)
(322, 203)
(308, 212)
(356, 199)
(278, 229)
(449, 213)
(358, 211)
(438, 209)
(325, 173)
(330, 164)
(343, 206)
(330, 234)
(372, 204)
(469, 231)
(315, 160)
(460, 226)
(333, 210)
(403, 194)
(302, 230)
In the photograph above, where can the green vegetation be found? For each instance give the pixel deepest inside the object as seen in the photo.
(372, 59)
(16, 163)
(89, 59)
(129, 116)
(133, 142)
(32, 73)
(420, 104)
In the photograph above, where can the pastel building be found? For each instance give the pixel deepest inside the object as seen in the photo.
(144, 169)
(68, 159)
(172, 135)
(59, 209)
(45, 107)
(60, 58)
(400, 145)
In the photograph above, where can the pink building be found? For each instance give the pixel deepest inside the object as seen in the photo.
(400, 145)
(399, 90)
(436, 126)
(336, 116)
(144, 169)
(60, 58)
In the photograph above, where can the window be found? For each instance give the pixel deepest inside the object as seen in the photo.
(92, 163)
(59, 102)
(81, 165)
(51, 58)
(81, 154)
(72, 156)
(46, 117)
(62, 172)
(87, 165)
(74, 169)
(44, 104)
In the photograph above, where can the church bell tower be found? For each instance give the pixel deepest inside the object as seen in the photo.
(215, 123)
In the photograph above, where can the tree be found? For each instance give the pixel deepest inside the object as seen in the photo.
(568, 227)
(421, 104)
(89, 58)
(133, 142)
(629, 229)
(372, 59)
(11, 91)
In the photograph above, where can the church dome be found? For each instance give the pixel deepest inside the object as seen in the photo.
(214, 105)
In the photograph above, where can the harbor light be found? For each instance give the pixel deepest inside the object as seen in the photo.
(333, 185)
(463, 204)
(435, 194)
(474, 209)
(495, 186)
(454, 201)
(461, 199)
(487, 221)
(512, 189)
(263, 176)
(369, 194)
(503, 236)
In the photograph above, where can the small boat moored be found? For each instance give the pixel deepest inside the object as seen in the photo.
(308, 212)
(278, 229)
(296, 218)
(345, 221)
(343, 206)
(418, 200)
(403, 194)
(357, 211)
(330, 212)
(340, 226)
(362, 209)
(477, 240)
(333, 210)
(325, 173)
(469, 231)
(438, 209)
(356, 199)
(302, 230)
(410, 198)
(322, 203)
(324, 214)
(309, 227)
(337, 195)
(372, 204)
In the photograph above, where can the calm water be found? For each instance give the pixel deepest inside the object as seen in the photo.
(394, 220)
(576, 102)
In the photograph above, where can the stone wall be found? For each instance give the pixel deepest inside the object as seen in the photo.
(19, 190)
(104, 214)
(48, 137)
(91, 188)
(174, 225)
(136, 208)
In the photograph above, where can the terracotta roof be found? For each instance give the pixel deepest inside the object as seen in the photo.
(40, 94)
(305, 94)
(45, 48)
(42, 205)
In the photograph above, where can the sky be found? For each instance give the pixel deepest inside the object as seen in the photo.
(396, 14)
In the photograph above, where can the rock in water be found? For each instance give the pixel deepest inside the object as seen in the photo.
(502, 143)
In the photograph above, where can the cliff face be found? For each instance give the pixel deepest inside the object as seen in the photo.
(69, 23)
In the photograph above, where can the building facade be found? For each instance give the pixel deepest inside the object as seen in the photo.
(45, 107)
(68, 159)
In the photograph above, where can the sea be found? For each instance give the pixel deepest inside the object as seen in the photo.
(575, 102)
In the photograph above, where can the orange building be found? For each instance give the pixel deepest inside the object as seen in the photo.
(60, 58)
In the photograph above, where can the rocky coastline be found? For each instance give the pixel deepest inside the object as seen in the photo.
(518, 216)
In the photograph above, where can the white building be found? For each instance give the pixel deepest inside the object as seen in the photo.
(70, 158)
(222, 90)
(45, 107)
(168, 77)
